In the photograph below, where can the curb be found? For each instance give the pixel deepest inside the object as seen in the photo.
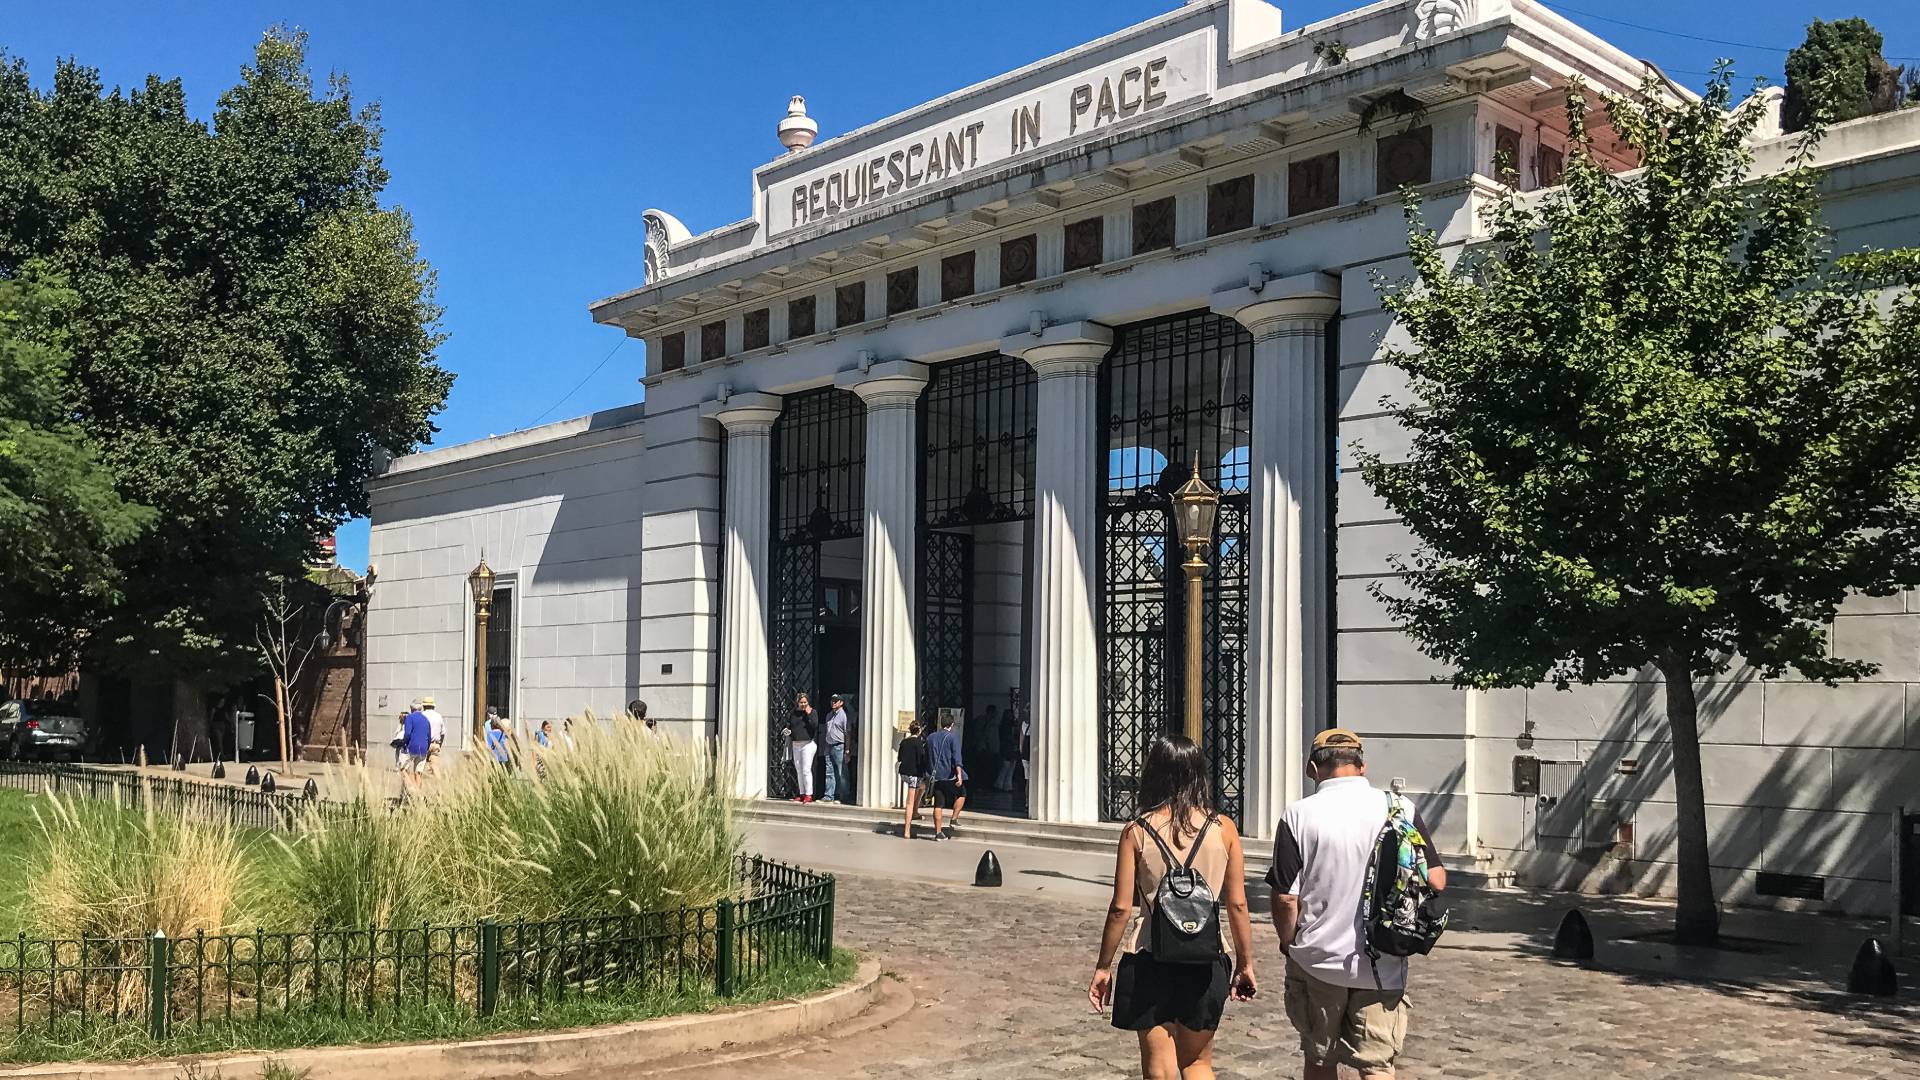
(612, 1049)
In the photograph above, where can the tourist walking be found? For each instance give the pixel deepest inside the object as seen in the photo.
(949, 777)
(439, 726)
(637, 710)
(801, 730)
(498, 744)
(914, 767)
(1347, 1002)
(833, 741)
(1181, 866)
(417, 735)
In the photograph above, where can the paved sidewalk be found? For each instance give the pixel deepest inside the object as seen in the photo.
(999, 979)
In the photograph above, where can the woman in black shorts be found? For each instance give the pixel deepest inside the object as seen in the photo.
(1173, 1007)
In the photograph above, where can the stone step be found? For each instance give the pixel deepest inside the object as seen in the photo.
(986, 828)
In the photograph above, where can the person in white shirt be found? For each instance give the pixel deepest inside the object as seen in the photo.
(439, 728)
(1349, 1008)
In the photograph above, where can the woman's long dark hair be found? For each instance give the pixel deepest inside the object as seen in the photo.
(1176, 778)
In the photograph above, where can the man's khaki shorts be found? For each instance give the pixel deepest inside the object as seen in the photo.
(1343, 1025)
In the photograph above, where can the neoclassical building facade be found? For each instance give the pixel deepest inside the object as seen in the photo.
(911, 426)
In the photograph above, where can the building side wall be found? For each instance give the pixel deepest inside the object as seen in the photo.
(1801, 779)
(561, 522)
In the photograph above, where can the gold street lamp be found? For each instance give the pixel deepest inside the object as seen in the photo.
(1194, 508)
(481, 582)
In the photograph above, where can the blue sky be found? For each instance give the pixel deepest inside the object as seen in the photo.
(526, 146)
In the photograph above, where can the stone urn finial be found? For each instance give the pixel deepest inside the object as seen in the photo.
(797, 130)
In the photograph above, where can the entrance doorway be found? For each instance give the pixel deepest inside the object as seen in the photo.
(813, 626)
(1177, 390)
(977, 433)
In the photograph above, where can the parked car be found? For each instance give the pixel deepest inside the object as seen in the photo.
(41, 730)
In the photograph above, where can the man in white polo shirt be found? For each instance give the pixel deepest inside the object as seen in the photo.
(1349, 1008)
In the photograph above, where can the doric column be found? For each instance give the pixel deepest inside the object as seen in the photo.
(1287, 660)
(1065, 697)
(748, 420)
(889, 658)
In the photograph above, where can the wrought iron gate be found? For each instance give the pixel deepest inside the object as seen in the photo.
(818, 495)
(1174, 389)
(977, 436)
(946, 621)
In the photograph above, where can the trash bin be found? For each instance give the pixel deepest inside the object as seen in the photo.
(246, 725)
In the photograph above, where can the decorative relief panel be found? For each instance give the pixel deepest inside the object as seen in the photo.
(1549, 164)
(1403, 159)
(801, 318)
(713, 341)
(673, 352)
(850, 304)
(903, 290)
(1230, 205)
(956, 276)
(1153, 225)
(1506, 155)
(1313, 184)
(756, 329)
(1019, 260)
(1086, 241)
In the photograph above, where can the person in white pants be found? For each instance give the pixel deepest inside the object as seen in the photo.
(801, 730)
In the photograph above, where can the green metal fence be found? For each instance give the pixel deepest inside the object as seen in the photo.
(780, 917)
(204, 800)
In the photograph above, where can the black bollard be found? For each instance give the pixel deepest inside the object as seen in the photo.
(253, 776)
(1873, 971)
(266, 784)
(179, 763)
(312, 790)
(1574, 939)
(987, 874)
(219, 770)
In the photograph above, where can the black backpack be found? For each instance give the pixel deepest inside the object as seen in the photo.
(1399, 906)
(1186, 917)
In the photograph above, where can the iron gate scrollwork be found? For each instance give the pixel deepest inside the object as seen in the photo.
(1174, 390)
(818, 496)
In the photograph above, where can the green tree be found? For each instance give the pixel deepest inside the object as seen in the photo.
(1838, 74)
(253, 329)
(1655, 427)
(60, 517)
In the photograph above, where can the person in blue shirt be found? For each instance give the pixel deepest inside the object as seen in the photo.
(949, 777)
(497, 743)
(416, 736)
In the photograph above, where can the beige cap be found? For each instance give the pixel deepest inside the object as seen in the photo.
(1337, 737)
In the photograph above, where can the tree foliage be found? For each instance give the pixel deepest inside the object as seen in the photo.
(60, 517)
(253, 330)
(1655, 427)
(1838, 74)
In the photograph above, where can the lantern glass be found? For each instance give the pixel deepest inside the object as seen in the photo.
(481, 581)
(1195, 506)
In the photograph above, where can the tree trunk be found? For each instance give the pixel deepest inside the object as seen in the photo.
(280, 712)
(1697, 920)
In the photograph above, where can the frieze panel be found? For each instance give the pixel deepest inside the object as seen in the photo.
(1019, 260)
(1313, 184)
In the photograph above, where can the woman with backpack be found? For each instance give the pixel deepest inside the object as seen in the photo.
(1181, 865)
(916, 769)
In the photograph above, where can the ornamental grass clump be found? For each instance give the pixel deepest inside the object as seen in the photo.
(360, 863)
(618, 823)
(111, 873)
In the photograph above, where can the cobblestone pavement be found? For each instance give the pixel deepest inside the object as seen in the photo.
(999, 986)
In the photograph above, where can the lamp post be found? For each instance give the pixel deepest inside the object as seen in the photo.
(1194, 507)
(481, 582)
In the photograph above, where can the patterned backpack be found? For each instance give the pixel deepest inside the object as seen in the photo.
(1397, 906)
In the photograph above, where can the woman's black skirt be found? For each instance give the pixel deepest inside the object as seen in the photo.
(1147, 993)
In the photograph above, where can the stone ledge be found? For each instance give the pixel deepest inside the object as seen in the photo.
(612, 1049)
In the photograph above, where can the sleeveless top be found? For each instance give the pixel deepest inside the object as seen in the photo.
(1149, 866)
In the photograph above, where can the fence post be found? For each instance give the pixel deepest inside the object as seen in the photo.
(826, 925)
(723, 949)
(489, 966)
(157, 972)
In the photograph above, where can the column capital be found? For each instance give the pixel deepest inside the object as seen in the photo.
(745, 414)
(1071, 348)
(895, 384)
(1282, 304)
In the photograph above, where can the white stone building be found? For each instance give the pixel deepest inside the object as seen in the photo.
(909, 426)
